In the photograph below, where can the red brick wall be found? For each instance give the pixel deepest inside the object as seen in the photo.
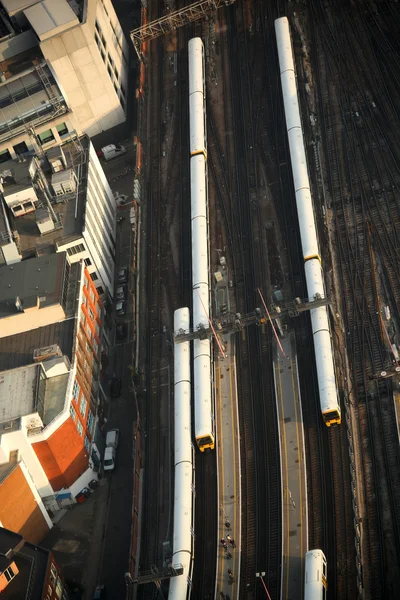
(19, 510)
(63, 456)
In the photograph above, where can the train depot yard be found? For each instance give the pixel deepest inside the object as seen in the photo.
(268, 159)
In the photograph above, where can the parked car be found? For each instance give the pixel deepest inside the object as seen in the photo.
(123, 275)
(109, 459)
(115, 387)
(112, 438)
(100, 593)
(112, 151)
(120, 308)
(121, 290)
(121, 331)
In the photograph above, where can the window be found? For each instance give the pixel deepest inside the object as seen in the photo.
(122, 102)
(123, 92)
(116, 73)
(76, 390)
(59, 587)
(96, 37)
(103, 55)
(79, 427)
(116, 88)
(88, 262)
(86, 282)
(92, 295)
(90, 422)
(103, 41)
(87, 443)
(109, 69)
(9, 574)
(97, 27)
(76, 249)
(91, 315)
(73, 412)
(46, 137)
(62, 129)
(83, 406)
(110, 60)
(4, 156)
(96, 347)
(94, 276)
(53, 575)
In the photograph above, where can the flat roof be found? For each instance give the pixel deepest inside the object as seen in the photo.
(70, 213)
(11, 47)
(18, 392)
(17, 350)
(31, 562)
(35, 282)
(14, 6)
(21, 389)
(49, 18)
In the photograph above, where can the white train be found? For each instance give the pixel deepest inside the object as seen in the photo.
(202, 349)
(316, 576)
(315, 282)
(183, 541)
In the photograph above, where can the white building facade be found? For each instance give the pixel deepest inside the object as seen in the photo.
(74, 78)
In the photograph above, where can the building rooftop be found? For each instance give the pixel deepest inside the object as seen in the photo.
(15, 6)
(31, 561)
(14, 45)
(69, 209)
(49, 18)
(18, 396)
(17, 350)
(37, 282)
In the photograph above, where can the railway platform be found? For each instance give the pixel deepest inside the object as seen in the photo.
(293, 468)
(228, 465)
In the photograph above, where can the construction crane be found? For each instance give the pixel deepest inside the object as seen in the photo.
(173, 20)
(231, 323)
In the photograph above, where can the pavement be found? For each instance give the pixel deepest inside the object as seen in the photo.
(294, 485)
(91, 542)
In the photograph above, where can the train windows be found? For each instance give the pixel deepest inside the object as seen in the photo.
(205, 442)
(331, 417)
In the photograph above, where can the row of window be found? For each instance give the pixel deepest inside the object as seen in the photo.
(111, 67)
(77, 250)
(83, 405)
(117, 37)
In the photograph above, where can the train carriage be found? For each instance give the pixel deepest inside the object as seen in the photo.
(316, 576)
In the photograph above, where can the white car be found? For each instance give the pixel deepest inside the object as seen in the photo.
(109, 459)
(112, 439)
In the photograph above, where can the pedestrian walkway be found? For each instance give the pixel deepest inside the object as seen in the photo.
(294, 487)
(229, 479)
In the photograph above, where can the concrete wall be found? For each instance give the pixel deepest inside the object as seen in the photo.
(21, 509)
(82, 75)
(17, 440)
(31, 319)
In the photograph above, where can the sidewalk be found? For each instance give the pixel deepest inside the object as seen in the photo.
(77, 539)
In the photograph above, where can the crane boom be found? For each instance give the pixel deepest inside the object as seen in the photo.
(173, 20)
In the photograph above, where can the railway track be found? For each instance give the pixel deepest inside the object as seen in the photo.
(150, 541)
(255, 352)
(166, 273)
(364, 173)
